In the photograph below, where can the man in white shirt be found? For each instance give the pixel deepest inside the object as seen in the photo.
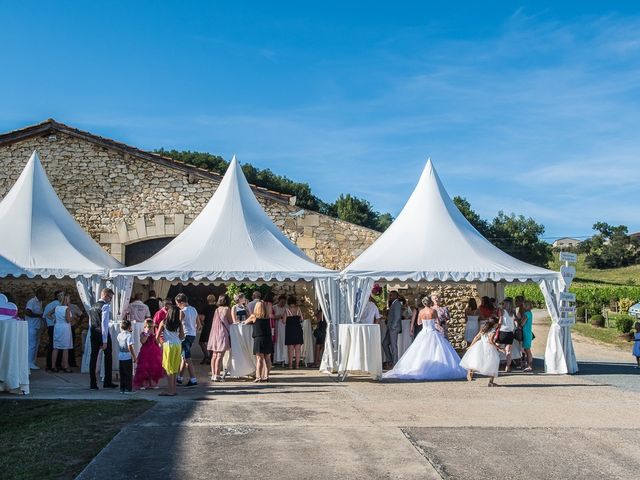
(370, 314)
(255, 299)
(34, 312)
(189, 318)
(136, 310)
(48, 314)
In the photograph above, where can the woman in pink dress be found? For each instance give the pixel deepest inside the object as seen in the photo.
(149, 369)
(219, 339)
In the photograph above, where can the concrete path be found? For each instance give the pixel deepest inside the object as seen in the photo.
(305, 425)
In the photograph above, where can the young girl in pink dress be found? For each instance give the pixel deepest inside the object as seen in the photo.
(149, 369)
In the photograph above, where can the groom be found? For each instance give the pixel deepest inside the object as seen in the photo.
(394, 327)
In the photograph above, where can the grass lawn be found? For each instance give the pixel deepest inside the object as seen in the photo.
(610, 336)
(621, 276)
(58, 438)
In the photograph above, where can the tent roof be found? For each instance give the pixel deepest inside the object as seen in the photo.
(432, 241)
(231, 239)
(41, 238)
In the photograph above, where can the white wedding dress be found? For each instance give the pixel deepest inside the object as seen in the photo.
(430, 357)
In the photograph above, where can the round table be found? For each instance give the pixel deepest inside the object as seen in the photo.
(359, 350)
(240, 361)
(14, 356)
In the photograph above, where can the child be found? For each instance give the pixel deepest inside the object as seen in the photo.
(171, 331)
(482, 356)
(126, 357)
(149, 369)
(636, 344)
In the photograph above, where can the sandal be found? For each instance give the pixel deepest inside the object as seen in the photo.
(67, 370)
(166, 394)
(257, 380)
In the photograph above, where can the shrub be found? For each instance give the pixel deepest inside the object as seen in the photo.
(624, 304)
(597, 321)
(624, 323)
(580, 313)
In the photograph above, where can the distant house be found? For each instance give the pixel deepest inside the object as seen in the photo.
(565, 242)
(635, 235)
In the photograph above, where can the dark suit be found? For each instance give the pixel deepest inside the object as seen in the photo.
(394, 327)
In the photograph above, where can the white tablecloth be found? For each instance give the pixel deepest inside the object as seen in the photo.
(308, 345)
(360, 349)
(14, 356)
(241, 362)
(404, 339)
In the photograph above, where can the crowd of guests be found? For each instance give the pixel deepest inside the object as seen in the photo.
(507, 326)
(59, 318)
(168, 336)
(171, 327)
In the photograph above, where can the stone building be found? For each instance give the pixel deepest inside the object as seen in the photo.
(133, 202)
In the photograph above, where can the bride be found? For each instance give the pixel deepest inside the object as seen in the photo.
(430, 356)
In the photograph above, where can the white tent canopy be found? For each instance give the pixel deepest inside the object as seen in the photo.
(432, 241)
(231, 239)
(41, 237)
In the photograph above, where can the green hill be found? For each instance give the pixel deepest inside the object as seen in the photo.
(619, 276)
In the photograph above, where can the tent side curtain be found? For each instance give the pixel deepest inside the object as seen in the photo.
(89, 290)
(328, 295)
(122, 288)
(559, 356)
(356, 291)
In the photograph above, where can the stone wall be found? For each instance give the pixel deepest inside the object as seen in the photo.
(454, 297)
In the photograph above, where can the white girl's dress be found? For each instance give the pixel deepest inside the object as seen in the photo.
(61, 330)
(482, 357)
(429, 357)
(472, 328)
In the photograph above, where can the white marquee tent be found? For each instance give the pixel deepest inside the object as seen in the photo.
(232, 239)
(432, 241)
(42, 239)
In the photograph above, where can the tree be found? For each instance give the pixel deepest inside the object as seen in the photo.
(520, 237)
(516, 235)
(348, 208)
(355, 210)
(474, 219)
(611, 247)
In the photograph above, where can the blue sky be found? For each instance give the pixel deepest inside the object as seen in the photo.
(526, 107)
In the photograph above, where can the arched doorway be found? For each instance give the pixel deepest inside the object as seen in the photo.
(138, 252)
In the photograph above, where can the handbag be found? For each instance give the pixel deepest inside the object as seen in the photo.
(518, 334)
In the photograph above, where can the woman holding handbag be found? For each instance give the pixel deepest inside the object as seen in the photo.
(506, 328)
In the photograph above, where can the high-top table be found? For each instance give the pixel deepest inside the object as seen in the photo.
(241, 361)
(359, 350)
(14, 356)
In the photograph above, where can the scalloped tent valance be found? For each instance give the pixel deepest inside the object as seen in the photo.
(40, 237)
(231, 239)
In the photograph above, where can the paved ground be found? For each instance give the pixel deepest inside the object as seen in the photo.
(304, 425)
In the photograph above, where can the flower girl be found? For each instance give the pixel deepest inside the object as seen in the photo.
(482, 356)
